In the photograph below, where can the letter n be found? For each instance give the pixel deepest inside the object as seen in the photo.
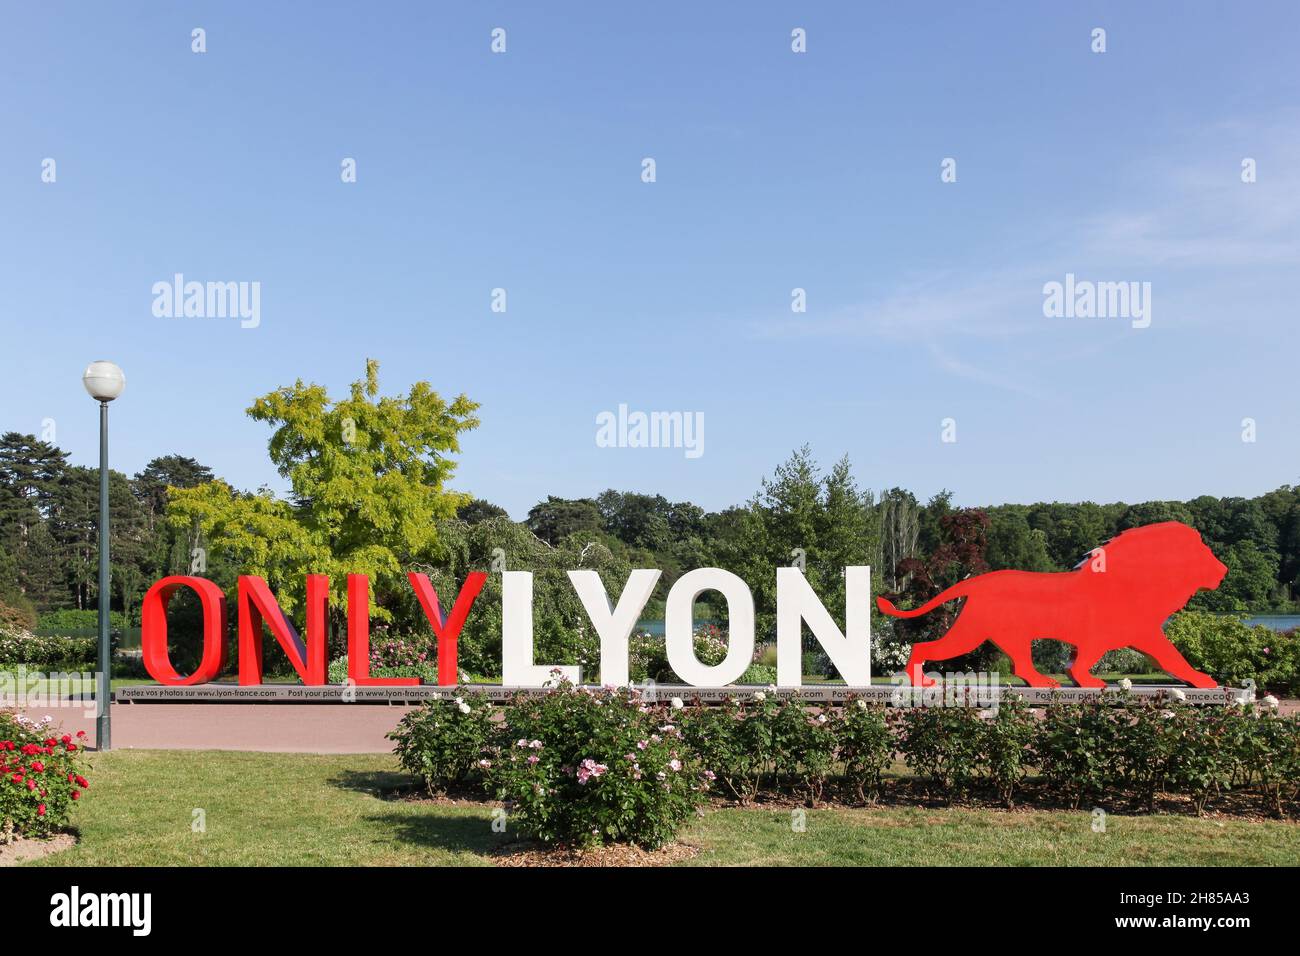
(256, 604)
(448, 630)
(153, 631)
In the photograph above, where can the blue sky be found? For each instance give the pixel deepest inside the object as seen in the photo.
(775, 170)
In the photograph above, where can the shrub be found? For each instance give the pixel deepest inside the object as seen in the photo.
(1275, 750)
(890, 647)
(71, 621)
(1004, 746)
(16, 614)
(758, 675)
(733, 740)
(41, 776)
(394, 657)
(48, 652)
(1075, 747)
(587, 767)
(1145, 746)
(1124, 660)
(866, 747)
(1233, 652)
(445, 741)
(803, 747)
(1203, 755)
(943, 743)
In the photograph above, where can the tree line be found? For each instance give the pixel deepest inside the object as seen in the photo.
(370, 494)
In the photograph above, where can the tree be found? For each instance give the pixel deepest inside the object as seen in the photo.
(900, 529)
(30, 472)
(480, 510)
(168, 471)
(555, 519)
(1012, 543)
(368, 478)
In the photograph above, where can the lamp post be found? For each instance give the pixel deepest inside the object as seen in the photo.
(104, 381)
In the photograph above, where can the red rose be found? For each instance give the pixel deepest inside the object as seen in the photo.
(40, 809)
(38, 766)
(66, 739)
(76, 794)
(81, 733)
(31, 784)
(82, 782)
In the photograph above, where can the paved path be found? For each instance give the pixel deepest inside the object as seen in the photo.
(274, 728)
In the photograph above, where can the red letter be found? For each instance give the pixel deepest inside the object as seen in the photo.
(447, 631)
(256, 602)
(153, 631)
(359, 638)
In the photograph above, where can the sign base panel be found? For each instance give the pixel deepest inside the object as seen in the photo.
(898, 695)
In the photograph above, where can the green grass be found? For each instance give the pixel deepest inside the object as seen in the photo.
(327, 810)
(911, 836)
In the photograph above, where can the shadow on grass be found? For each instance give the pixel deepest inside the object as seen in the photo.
(464, 832)
(384, 784)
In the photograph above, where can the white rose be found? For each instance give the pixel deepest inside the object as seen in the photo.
(463, 708)
(759, 696)
(678, 703)
(861, 704)
(1269, 702)
(1125, 684)
(1177, 694)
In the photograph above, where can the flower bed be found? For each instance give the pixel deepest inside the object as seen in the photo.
(46, 651)
(590, 767)
(41, 777)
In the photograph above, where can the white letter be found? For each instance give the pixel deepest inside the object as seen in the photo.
(517, 667)
(850, 651)
(614, 626)
(679, 627)
(253, 316)
(59, 915)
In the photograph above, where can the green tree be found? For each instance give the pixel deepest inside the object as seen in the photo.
(368, 481)
(555, 519)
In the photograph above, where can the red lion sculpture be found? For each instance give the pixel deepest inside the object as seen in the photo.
(1119, 596)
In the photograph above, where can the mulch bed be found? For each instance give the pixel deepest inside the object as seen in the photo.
(23, 849)
(535, 854)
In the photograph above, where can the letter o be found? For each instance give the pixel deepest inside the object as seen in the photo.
(153, 630)
(679, 632)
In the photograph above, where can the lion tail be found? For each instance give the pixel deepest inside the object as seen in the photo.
(943, 597)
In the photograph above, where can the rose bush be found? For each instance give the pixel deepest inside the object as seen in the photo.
(445, 741)
(41, 776)
(585, 766)
(588, 767)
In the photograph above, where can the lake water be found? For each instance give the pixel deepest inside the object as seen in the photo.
(1278, 622)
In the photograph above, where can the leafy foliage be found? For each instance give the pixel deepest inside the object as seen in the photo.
(590, 767)
(41, 776)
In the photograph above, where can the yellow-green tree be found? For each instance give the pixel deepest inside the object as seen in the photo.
(369, 487)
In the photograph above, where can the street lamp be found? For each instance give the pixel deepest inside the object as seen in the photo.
(104, 381)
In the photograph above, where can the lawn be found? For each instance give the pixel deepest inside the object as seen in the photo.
(327, 810)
